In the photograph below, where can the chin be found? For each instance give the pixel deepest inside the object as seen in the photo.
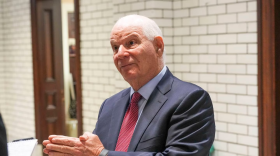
(129, 77)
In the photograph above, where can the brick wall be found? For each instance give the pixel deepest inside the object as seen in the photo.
(212, 43)
(18, 104)
(221, 56)
(2, 99)
(98, 74)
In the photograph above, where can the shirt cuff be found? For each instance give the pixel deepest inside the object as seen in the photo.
(104, 152)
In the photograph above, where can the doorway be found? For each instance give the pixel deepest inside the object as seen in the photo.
(56, 66)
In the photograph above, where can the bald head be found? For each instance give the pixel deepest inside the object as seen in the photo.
(149, 27)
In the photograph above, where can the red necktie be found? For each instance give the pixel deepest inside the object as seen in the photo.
(128, 124)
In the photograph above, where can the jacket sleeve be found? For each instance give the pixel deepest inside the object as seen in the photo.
(3, 139)
(100, 110)
(191, 131)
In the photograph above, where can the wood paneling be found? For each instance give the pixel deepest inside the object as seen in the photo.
(47, 20)
(78, 68)
(51, 115)
(48, 68)
(269, 77)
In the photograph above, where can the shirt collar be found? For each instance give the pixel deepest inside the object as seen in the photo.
(148, 88)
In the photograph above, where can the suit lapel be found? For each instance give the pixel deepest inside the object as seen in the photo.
(154, 104)
(149, 112)
(119, 109)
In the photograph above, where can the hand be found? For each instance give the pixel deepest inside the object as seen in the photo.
(49, 141)
(45, 142)
(87, 145)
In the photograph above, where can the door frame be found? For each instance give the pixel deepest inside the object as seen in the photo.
(269, 77)
(36, 76)
(78, 59)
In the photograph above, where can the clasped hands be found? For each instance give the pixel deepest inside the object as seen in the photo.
(86, 145)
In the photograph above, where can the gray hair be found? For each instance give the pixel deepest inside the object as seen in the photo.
(149, 27)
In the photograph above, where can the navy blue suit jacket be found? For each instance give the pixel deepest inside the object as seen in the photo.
(178, 120)
(3, 139)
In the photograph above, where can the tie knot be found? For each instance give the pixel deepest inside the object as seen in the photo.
(135, 97)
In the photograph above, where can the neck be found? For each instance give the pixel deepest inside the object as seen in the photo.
(136, 84)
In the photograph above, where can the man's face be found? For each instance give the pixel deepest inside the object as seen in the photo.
(134, 55)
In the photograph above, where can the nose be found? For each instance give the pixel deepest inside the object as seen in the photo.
(122, 52)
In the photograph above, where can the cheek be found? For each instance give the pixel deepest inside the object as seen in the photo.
(115, 61)
(150, 58)
(115, 58)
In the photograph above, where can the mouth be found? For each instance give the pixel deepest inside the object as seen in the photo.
(126, 65)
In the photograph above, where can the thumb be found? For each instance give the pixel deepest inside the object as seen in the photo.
(85, 136)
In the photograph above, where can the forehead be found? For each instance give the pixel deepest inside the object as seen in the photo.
(120, 31)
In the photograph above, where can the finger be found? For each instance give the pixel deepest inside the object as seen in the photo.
(65, 141)
(89, 134)
(46, 151)
(59, 148)
(52, 153)
(56, 136)
(45, 142)
(84, 137)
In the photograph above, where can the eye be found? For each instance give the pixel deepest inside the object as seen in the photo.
(131, 42)
(115, 48)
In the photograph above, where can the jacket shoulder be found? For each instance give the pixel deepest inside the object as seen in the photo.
(186, 86)
(119, 94)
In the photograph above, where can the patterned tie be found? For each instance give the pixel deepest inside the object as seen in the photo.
(128, 124)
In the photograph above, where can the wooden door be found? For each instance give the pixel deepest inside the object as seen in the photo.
(48, 68)
(269, 77)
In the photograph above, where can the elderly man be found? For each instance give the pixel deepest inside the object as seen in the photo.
(159, 115)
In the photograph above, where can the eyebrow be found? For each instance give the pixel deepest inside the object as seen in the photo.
(131, 35)
(128, 36)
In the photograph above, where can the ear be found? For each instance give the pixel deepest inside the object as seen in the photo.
(159, 45)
